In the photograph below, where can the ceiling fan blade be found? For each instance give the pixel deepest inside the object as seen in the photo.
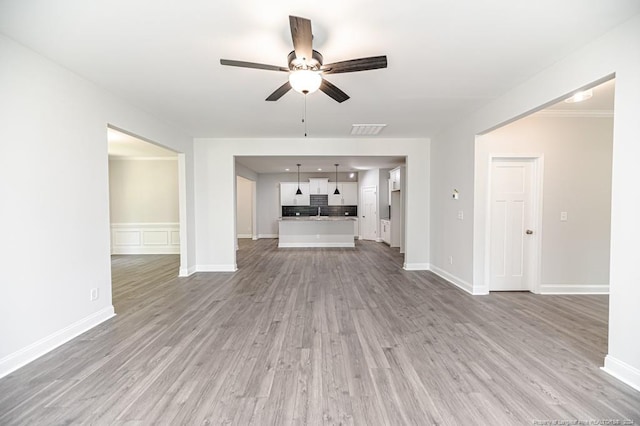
(353, 65)
(333, 92)
(280, 91)
(302, 37)
(243, 64)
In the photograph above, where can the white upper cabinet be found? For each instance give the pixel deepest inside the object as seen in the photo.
(288, 195)
(319, 186)
(348, 194)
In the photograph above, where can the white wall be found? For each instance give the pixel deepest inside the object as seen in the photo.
(143, 191)
(577, 179)
(215, 179)
(453, 167)
(54, 186)
(244, 208)
(143, 205)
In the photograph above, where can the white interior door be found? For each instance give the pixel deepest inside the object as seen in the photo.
(511, 222)
(369, 217)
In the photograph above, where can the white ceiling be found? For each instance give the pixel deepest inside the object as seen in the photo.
(123, 145)
(446, 58)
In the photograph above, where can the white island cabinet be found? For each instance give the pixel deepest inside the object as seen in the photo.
(314, 231)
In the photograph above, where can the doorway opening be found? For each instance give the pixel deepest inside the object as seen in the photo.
(574, 204)
(146, 200)
(245, 209)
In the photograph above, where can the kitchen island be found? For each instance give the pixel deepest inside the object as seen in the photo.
(316, 231)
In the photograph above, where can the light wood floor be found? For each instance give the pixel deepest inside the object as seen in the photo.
(322, 336)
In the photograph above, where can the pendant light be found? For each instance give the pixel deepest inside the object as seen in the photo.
(298, 192)
(336, 192)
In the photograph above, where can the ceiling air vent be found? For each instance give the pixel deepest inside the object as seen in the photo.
(367, 129)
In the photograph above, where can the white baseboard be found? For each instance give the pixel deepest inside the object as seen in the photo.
(185, 272)
(379, 240)
(317, 245)
(416, 266)
(12, 362)
(254, 237)
(458, 282)
(267, 236)
(622, 371)
(573, 289)
(216, 268)
(244, 236)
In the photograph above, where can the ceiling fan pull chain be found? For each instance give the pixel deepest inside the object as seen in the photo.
(304, 119)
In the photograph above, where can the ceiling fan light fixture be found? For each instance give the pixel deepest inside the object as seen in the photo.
(305, 81)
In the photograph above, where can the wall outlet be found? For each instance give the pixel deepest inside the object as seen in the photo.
(460, 215)
(450, 260)
(94, 294)
(563, 216)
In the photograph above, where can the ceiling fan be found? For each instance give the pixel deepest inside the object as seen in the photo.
(306, 67)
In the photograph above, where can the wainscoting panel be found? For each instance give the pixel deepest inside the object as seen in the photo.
(145, 238)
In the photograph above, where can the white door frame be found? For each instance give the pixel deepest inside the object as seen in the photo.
(534, 262)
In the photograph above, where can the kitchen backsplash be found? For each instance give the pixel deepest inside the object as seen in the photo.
(319, 200)
(324, 210)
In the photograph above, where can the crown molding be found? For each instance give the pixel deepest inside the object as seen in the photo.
(594, 113)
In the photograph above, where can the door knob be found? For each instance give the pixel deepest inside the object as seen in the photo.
(529, 232)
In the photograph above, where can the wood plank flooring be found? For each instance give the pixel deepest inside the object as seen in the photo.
(322, 337)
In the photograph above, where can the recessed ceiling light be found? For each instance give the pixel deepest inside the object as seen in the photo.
(286, 170)
(319, 170)
(367, 129)
(580, 96)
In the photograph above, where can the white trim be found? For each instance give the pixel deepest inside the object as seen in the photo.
(267, 236)
(537, 188)
(245, 236)
(622, 371)
(458, 282)
(216, 268)
(414, 266)
(287, 245)
(129, 158)
(182, 212)
(185, 272)
(12, 362)
(574, 289)
(254, 237)
(142, 238)
(379, 240)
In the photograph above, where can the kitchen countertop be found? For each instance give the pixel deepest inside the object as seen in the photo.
(317, 218)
